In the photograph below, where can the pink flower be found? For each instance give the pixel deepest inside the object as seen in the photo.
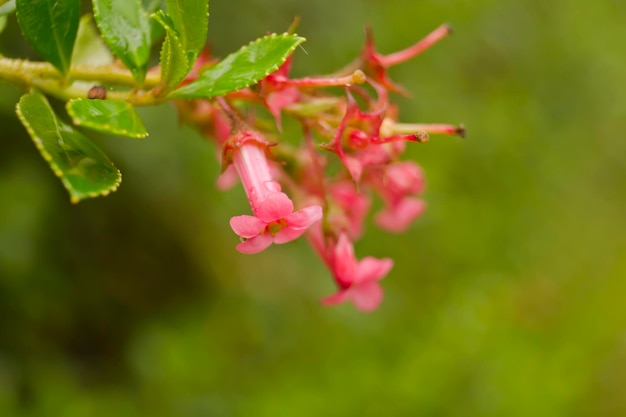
(357, 280)
(398, 184)
(274, 220)
(399, 216)
(402, 178)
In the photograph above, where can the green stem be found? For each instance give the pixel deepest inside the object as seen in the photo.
(45, 77)
(81, 90)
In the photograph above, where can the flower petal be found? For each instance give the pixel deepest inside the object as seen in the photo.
(227, 179)
(287, 234)
(255, 245)
(399, 217)
(246, 226)
(366, 297)
(405, 177)
(274, 207)
(304, 218)
(338, 297)
(344, 266)
(371, 269)
(354, 166)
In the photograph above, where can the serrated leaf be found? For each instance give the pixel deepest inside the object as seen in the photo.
(174, 62)
(242, 68)
(7, 7)
(125, 28)
(83, 168)
(114, 117)
(89, 48)
(190, 19)
(50, 28)
(156, 30)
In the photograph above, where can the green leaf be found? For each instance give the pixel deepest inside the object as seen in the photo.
(242, 68)
(125, 28)
(152, 6)
(115, 117)
(174, 62)
(89, 48)
(50, 27)
(7, 7)
(156, 30)
(83, 168)
(190, 19)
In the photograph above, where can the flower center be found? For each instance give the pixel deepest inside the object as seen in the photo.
(276, 226)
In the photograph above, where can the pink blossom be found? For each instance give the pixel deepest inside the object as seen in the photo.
(403, 178)
(357, 280)
(398, 184)
(399, 216)
(274, 219)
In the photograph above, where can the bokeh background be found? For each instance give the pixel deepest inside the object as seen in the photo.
(508, 297)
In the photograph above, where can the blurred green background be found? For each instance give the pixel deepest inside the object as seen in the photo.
(508, 295)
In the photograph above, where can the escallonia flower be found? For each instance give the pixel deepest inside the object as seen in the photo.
(274, 219)
(357, 281)
(398, 184)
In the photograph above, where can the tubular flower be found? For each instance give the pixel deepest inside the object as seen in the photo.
(357, 280)
(398, 185)
(349, 154)
(274, 220)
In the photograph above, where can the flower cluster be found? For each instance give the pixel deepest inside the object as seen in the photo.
(351, 149)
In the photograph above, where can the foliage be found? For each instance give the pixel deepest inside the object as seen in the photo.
(51, 28)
